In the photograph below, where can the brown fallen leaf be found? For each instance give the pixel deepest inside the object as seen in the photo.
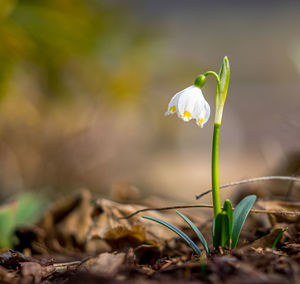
(109, 224)
(105, 264)
(77, 225)
(63, 228)
(8, 276)
(31, 272)
(146, 254)
(71, 218)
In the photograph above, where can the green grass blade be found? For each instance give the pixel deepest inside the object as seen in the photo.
(240, 214)
(181, 234)
(278, 237)
(196, 230)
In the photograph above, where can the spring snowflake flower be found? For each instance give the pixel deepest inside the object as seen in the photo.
(190, 104)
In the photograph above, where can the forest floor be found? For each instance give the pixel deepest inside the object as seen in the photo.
(86, 240)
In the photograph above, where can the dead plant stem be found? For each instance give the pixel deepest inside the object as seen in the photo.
(250, 180)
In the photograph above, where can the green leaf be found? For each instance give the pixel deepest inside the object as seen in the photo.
(278, 237)
(30, 208)
(240, 214)
(217, 231)
(224, 229)
(196, 230)
(228, 209)
(181, 234)
(7, 224)
(26, 209)
(221, 237)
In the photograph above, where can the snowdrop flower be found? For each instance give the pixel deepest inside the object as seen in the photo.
(190, 104)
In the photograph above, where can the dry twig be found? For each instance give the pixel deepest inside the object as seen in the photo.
(265, 178)
(250, 180)
(66, 266)
(208, 206)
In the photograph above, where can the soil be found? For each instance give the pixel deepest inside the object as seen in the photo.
(238, 266)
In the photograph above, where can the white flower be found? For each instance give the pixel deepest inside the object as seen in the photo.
(190, 104)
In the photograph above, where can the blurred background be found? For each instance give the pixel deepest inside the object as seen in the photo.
(84, 85)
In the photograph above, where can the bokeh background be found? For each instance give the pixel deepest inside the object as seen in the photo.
(84, 85)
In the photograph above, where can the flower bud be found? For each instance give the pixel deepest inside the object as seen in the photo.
(224, 75)
(200, 81)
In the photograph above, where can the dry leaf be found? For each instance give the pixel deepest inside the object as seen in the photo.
(75, 224)
(8, 276)
(105, 264)
(71, 217)
(31, 273)
(109, 224)
(63, 228)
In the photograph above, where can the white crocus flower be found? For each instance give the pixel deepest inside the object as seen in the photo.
(190, 104)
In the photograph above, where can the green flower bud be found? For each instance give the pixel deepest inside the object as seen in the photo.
(200, 81)
(224, 75)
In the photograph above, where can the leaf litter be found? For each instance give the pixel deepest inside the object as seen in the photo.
(81, 240)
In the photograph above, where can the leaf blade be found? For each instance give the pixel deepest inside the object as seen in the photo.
(240, 214)
(196, 230)
(278, 237)
(181, 234)
(217, 231)
(225, 237)
(228, 209)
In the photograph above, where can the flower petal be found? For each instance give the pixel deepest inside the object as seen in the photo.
(173, 104)
(201, 112)
(187, 102)
(190, 104)
(207, 112)
(204, 118)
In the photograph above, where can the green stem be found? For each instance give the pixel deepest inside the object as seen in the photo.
(215, 171)
(217, 78)
(215, 152)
